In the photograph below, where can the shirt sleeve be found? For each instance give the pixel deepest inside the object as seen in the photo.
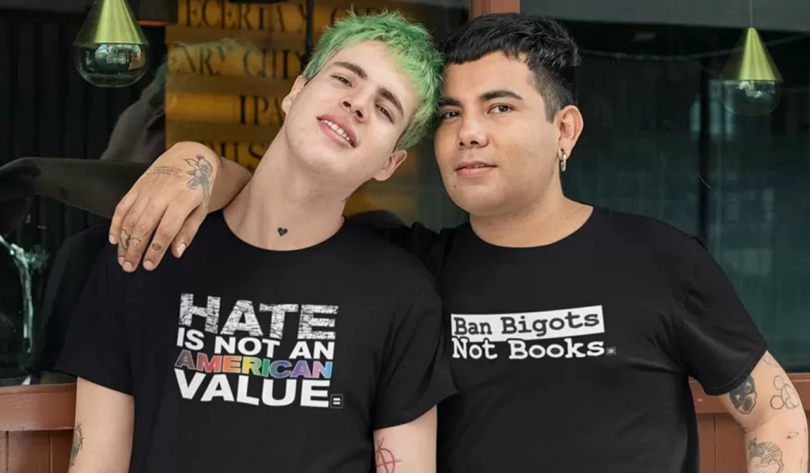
(95, 345)
(428, 246)
(717, 340)
(415, 374)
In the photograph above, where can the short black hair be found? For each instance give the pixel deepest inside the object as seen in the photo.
(550, 51)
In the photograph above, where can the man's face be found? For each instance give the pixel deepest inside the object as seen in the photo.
(345, 122)
(496, 149)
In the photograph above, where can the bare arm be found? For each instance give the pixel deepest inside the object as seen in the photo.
(407, 448)
(771, 415)
(102, 436)
(170, 201)
(232, 178)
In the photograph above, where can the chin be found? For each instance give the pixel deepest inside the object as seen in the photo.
(477, 202)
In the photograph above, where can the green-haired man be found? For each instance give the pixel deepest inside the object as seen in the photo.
(286, 339)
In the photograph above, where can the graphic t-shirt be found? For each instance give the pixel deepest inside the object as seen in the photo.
(575, 357)
(241, 359)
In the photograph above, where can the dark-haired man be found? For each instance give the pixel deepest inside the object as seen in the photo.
(574, 328)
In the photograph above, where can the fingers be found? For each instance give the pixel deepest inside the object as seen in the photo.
(166, 232)
(137, 230)
(121, 212)
(188, 230)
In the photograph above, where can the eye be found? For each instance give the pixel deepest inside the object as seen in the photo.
(501, 108)
(448, 115)
(385, 112)
(343, 79)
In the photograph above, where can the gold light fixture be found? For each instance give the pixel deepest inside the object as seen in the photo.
(751, 82)
(111, 49)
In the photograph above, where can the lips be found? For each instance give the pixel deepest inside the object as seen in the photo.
(340, 128)
(473, 164)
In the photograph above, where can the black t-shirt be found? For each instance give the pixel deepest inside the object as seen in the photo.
(247, 360)
(575, 357)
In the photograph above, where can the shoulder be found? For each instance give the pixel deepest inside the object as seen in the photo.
(647, 232)
(639, 236)
(378, 255)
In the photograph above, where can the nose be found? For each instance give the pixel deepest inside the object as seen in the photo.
(356, 106)
(471, 134)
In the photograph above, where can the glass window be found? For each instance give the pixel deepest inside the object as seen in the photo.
(217, 74)
(663, 139)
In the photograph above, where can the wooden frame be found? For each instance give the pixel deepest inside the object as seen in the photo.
(485, 7)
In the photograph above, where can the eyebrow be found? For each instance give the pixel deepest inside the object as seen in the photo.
(485, 97)
(383, 91)
(499, 94)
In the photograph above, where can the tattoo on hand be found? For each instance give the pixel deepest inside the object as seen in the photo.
(384, 458)
(762, 455)
(156, 246)
(200, 173)
(124, 240)
(787, 398)
(744, 396)
(282, 231)
(167, 171)
(134, 242)
(78, 442)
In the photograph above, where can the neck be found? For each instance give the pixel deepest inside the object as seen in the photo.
(282, 208)
(549, 219)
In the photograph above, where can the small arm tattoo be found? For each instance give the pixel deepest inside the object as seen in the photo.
(744, 396)
(786, 397)
(167, 171)
(282, 231)
(78, 442)
(200, 173)
(765, 454)
(384, 458)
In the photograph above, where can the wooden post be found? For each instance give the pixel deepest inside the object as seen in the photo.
(485, 7)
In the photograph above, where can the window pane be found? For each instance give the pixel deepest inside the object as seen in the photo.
(217, 74)
(659, 140)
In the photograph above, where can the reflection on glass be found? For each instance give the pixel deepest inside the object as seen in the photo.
(751, 97)
(112, 65)
(21, 334)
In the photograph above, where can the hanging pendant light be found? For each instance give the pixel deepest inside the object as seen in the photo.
(752, 85)
(111, 49)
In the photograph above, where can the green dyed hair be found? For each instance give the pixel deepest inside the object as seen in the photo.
(410, 43)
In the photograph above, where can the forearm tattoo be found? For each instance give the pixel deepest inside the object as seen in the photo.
(166, 171)
(78, 442)
(744, 396)
(765, 455)
(384, 458)
(200, 173)
(785, 397)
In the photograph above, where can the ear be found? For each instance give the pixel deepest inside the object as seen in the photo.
(287, 102)
(569, 126)
(391, 165)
